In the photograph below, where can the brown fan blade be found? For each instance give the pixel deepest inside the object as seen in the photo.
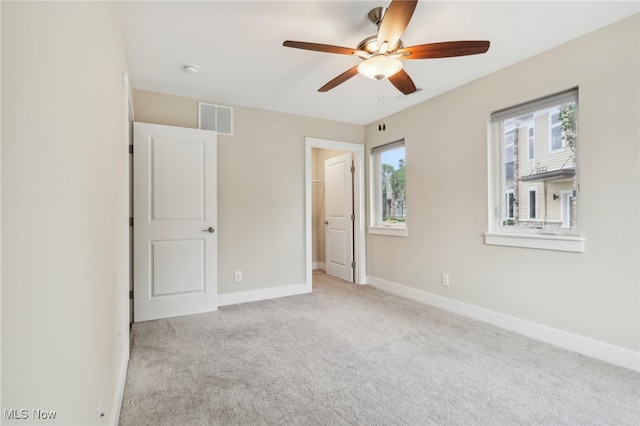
(395, 21)
(447, 49)
(319, 47)
(403, 82)
(339, 79)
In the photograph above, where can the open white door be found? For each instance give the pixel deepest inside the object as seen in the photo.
(338, 177)
(175, 214)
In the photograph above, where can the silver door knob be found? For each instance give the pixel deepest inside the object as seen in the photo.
(209, 230)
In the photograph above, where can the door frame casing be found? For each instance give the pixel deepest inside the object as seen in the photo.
(360, 275)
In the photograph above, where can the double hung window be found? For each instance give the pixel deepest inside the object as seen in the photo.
(533, 174)
(388, 190)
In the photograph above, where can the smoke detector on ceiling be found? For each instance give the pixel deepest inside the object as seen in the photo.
(191, 69)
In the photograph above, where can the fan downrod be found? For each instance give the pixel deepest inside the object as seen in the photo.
(375, 15)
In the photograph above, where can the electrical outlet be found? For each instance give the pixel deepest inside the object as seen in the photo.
(444, 280)
(238, 276)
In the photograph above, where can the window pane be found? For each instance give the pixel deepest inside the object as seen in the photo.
(508, 154)
(508, 170)
(533, 199)
(392, 185)
(509, 199)
(556, 138)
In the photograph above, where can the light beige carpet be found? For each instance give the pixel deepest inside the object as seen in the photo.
(349, 354)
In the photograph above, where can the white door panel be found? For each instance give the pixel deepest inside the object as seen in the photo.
(177, 267)
(177, 179)
(338, 216)
(175, 204)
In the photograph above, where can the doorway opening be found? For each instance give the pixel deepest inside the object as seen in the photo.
(332, 212)
(317, 150)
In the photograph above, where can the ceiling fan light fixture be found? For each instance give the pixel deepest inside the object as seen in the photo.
(379, 67)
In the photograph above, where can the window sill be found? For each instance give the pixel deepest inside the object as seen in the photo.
(543, 242)
(388, 230)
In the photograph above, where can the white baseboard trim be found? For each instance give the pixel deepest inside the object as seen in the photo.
(122, 378)
(319, 265)
(262, 294)
(585, 346)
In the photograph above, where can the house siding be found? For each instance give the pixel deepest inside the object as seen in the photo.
(546, 160)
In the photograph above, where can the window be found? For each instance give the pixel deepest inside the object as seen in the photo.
(533, 203)
(509, 206)
(534, 208)
(555, 131)
(531, 144)
(388, 186)
(508, 153)
(567, 209)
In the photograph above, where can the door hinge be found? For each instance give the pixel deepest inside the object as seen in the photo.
(130, 294)
(130, 221)
(130, 149)
(353, 216)
(353, 264)
(353, 169)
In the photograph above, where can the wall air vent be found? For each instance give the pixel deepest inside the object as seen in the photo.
(215, 117)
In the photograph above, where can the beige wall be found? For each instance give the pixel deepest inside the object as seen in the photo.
(64, 223)
(260, 187)
(64, 197)
(594, 294)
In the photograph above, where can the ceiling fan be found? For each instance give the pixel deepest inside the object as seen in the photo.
(383, 53)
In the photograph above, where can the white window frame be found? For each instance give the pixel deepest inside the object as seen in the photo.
(561, 239)
(377, 226)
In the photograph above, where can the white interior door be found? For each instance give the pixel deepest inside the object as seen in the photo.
(175, 213)
(338, 177)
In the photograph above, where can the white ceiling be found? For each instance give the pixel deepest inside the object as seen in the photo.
(238, 47)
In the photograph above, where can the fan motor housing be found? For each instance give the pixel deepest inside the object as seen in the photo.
(370, 45)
